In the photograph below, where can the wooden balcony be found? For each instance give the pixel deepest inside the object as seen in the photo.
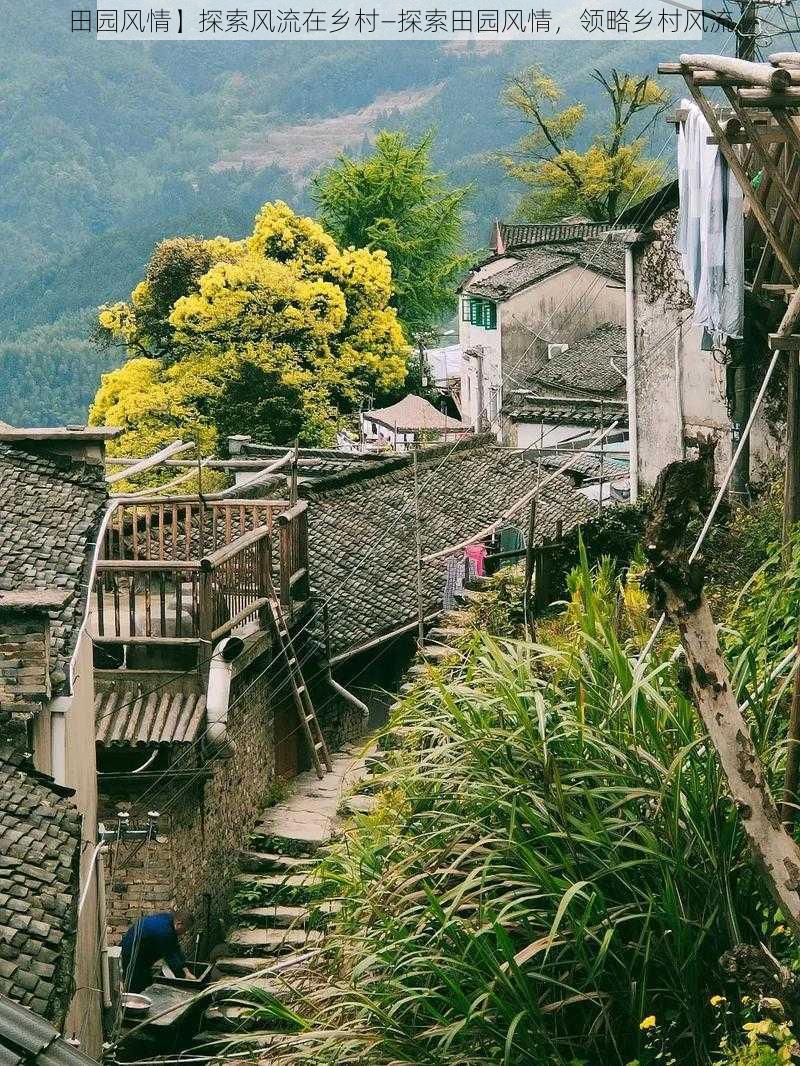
(176, 574)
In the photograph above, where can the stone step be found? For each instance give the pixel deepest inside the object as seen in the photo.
(359, 805)
(276, 917)
(444, 633)
(273, 862)
(292, 835)
(240, 965)
(418, 670)
(291, 889)
(258, 943)
(271, 1044)
(437, 652)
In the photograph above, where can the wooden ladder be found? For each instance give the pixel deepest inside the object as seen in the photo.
(302, 701)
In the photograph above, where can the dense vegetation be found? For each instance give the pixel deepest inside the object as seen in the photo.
(283, 328)
(109, 148)
(554, 870)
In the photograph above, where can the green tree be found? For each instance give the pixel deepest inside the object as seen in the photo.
(280, 334)
(392, 199)
(611, 174)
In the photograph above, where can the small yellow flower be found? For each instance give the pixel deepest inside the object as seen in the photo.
(717, 1001)
(649, 1022)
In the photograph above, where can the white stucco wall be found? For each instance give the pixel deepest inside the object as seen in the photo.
(680, 391)
(561, 307)
(64, 747)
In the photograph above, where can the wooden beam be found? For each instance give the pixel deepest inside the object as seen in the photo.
(152, 460)
(785, 59)
(763, 74)
(767, 99)
(787, 342)
(769, 165)
(711, 78)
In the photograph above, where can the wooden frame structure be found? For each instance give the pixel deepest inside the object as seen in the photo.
(758, 133)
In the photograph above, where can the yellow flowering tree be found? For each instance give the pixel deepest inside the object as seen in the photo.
(612, 173)
(279, 335)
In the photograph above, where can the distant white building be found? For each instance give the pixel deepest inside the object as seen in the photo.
(410, 421)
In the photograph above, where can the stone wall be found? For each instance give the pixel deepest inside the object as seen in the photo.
(209, 807)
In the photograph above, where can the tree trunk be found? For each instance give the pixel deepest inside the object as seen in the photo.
(681, 490)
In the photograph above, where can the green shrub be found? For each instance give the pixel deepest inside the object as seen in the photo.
(558, 860)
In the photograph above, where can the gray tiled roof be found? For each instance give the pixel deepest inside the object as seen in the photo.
(605, 255)
(26, 1039)
(566, 412)
(122, 716)
(585, 367)
(50, 511)
(362, 532)
(39, 853)
(582, 465)
(519, 234)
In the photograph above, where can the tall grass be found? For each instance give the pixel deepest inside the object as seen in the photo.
(556, 858)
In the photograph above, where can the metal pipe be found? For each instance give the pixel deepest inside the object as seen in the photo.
(630, 379)
(220, 673)
(349, 697)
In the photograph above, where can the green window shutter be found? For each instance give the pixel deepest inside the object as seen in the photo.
(474, 311)
(489, 316)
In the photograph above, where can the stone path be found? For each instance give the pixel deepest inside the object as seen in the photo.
(279, 915)
(280, 906)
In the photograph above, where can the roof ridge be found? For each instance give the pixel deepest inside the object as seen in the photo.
(382, 472)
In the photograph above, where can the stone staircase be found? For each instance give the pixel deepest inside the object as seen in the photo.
(281, 908)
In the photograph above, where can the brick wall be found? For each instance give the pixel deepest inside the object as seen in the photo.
(207, 817)
(24, 660)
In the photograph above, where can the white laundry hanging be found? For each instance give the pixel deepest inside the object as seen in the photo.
(710, 227)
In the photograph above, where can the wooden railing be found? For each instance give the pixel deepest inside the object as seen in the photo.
(178, 571)
(183, 527)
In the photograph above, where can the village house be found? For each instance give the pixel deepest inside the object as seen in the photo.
(543, 286)
(410, 421)
(677, 387)
(52, 505)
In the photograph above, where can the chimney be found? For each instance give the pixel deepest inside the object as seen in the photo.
(86, 444)
(498, 244)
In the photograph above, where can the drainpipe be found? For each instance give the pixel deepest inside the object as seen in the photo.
(679, 392)
(630, 348)
(217, 742)
(354, 701)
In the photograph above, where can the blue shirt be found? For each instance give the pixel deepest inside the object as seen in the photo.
(156, 939)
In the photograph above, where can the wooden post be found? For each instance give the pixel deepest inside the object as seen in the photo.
(263, 563)
(205, 620)
(293, 475)
(791, 488)
(418, 539)
(529, 561)
(789, 803)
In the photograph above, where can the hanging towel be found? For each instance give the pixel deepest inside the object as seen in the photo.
(476, 554)
(710, 235)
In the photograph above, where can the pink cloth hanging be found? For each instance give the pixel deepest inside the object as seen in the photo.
(477, 553)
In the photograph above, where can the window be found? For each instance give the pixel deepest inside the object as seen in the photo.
(482, 313)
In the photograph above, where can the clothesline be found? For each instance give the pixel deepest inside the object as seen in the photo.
(519, 505)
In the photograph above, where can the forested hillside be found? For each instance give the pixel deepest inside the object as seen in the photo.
(109, 147)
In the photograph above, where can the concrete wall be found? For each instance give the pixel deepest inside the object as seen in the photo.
(680, 389)
(562, 307)
(534, 434)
